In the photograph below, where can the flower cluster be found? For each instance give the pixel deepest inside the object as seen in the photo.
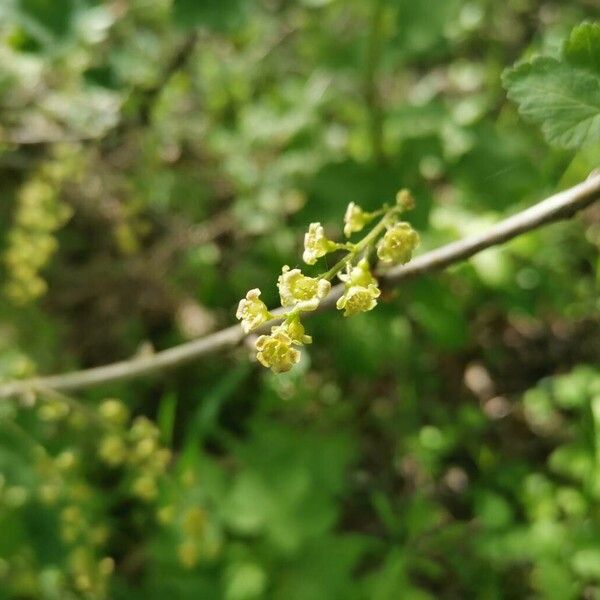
(135, 447)
(61, 478)
(393, 241)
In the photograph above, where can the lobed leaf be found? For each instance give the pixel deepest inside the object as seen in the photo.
(582, 49)
(562, 99)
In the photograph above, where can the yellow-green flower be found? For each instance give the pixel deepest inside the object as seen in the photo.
(405, 200)
(112, 450)
(316, 244)
(361, 291)
(354, 219)
(295, 330)
(114, 411)
(398, 244)
(301, 291)
(252, 312)
(276, 352)
(358, 298)
(360, 274)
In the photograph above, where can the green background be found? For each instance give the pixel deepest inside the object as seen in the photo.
(157, 160)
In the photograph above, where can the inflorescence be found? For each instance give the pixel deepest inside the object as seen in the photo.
(392, 240)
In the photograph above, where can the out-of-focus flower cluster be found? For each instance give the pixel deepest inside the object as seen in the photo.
(392, 240)
(189, 516)
(135, 448)
(38, 215)
(59, 483)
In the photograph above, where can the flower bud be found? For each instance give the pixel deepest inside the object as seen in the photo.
(65, 460)
(112, 450)
(360, 274)
(53, 410)
(194, 522)
(114, 411)
(405, 200)
(144, 487)
(295, 330)
(188, 554)
(106, 566)
(143, 428)
(166, 514)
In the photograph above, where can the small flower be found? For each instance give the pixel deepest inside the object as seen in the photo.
(362, 290)
(358, 275)
(252, 311)
(316, 244)
(301, 291)
(145, 488)
(398, 244)
(114, 411)
(354, 219)
(295, 330)
(275, 351)
(112, 450)
(358, 298)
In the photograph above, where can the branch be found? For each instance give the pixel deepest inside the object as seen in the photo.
(560, 206)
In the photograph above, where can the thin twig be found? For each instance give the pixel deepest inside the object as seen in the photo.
(557, 207)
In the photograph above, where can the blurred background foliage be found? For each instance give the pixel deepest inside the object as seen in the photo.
(160, 157)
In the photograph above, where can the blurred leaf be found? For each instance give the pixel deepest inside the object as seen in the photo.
(586, 562)
(166, 417)
(554, 581)
(573, 461)
(215, 14)
(563, 100)
(244, 581)
(438, 314)
(54, 15)
(583, 163)
(493, 510)
(562, 96)
(422, 26)
(248, 506)
(582, 49)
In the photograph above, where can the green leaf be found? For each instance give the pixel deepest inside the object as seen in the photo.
(563, 100)
(582, 49)
(221, 15)
(422, 26)
(52, 15)
(583, 163)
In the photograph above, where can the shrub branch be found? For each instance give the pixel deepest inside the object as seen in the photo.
(560, 206)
